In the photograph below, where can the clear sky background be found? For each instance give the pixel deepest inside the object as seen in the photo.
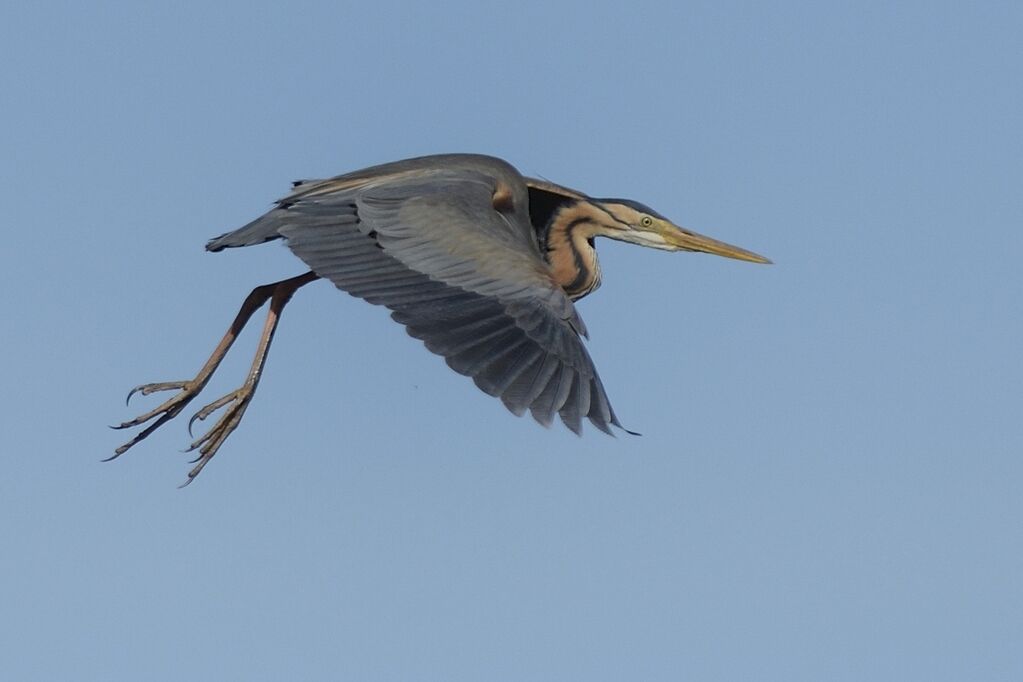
(829, 482)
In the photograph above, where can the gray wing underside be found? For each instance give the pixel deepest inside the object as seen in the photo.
(463, 278)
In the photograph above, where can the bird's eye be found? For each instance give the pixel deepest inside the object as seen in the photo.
(646, 221)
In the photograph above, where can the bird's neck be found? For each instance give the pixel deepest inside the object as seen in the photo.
(568, 247)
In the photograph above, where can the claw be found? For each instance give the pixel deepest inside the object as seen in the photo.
(123, 425)
(196, 444)
(190, 422)
(201, 440)
(206, 411)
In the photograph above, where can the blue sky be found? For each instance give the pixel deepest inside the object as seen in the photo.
(828, 484)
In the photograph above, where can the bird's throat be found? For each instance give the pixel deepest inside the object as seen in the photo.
(569, 250)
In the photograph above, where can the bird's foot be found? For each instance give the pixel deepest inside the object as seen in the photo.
(207, 444)
(187, 390)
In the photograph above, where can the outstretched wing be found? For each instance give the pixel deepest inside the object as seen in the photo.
(448, 247)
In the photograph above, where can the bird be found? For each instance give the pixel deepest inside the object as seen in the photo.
(480, 263)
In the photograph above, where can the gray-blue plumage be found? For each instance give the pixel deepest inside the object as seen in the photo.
(423, 238)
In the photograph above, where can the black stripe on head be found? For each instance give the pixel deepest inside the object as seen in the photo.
(635, 205)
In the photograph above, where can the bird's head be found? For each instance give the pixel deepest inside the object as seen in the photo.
(631, 221)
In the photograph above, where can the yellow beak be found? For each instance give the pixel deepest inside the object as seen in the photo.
(681, 238)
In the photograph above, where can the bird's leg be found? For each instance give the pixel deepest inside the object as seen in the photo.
(187, 390)
(237, 401)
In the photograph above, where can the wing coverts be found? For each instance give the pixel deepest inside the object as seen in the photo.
(465, 278)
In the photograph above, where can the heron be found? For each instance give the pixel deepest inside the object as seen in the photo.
(479, 262)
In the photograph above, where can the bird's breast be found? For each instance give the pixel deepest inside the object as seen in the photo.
(573, 262)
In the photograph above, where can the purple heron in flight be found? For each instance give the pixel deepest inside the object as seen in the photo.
(480, 263)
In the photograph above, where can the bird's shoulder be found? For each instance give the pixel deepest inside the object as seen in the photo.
(436, 171)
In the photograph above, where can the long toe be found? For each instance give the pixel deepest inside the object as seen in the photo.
(146, 389)
(163, 413)
(208, 443)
